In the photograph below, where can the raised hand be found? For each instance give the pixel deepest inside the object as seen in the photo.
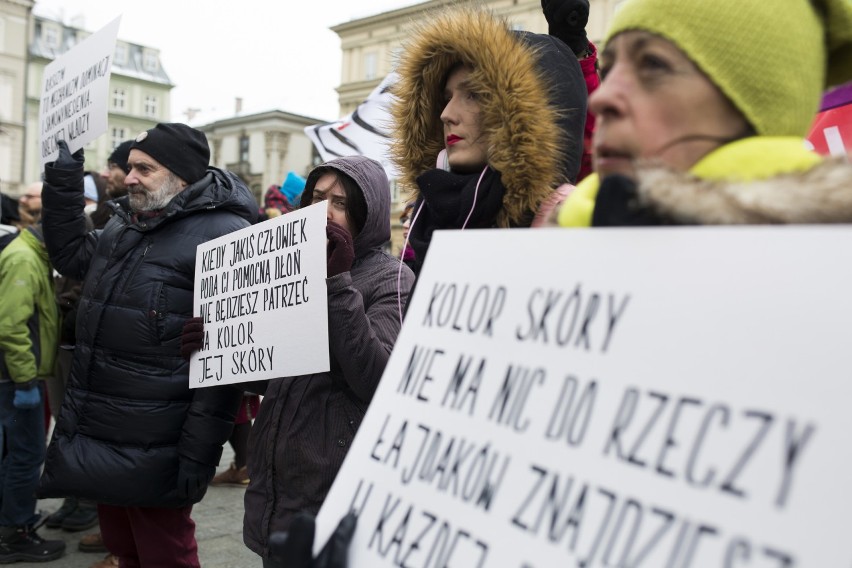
(66, 160)
(341, 249)
(566, 20)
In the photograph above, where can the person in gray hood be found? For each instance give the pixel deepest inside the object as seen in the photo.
(307, 423)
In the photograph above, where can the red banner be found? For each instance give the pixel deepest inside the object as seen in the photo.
(831, 133)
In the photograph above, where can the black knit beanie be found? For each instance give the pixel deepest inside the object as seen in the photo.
(120, 154)
(178, 147)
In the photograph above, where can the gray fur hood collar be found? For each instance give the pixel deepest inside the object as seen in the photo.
(822, 194)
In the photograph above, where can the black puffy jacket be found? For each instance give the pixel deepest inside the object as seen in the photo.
(128, 411)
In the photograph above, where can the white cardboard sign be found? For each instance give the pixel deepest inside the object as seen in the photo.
(75, 93)
(626, 397)
(261, 292)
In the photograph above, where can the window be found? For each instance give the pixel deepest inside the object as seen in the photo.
(151, 106)
(6, 97)
(6, 158)
(121, 54)
(51, 36)
(244, 148)
(394, 187)
(396, 53)
(370, 66)
(118, 136)
(149, 62)
(119, 99)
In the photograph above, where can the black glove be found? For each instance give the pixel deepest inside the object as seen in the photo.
(192, 337)
(341, 249)
(566, 20)
(617, 205)
(293, 548)
(66, 160)
(193, 478)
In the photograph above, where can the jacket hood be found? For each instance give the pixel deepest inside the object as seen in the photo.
(370, 176)
(532, 96)
(818, 195)
(218, 189)
(33, 238)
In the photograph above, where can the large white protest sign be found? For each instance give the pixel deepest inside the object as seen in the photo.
(75, 92)
(646, 398)
(262, 295)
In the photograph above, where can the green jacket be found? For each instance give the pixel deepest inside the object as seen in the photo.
(29, 320)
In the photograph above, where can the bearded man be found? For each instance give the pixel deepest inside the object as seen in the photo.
(131, 435)
(116, 170)
(29, 205)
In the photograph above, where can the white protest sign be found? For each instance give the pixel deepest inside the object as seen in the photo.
(261, 292)
(75, 92)
(626, 397)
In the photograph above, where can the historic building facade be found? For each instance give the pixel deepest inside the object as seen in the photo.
(370, 47)
(262, 148)
(14, 38)
(138, 99)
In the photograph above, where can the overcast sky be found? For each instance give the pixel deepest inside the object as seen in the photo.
(275, 54)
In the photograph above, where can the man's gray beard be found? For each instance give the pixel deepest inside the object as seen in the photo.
(154, 200)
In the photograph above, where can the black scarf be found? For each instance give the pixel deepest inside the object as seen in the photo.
(447, 199)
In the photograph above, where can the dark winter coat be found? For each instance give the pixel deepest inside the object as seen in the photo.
(306, 423)
(128, 412)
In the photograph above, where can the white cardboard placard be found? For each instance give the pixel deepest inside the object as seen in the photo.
(625, 397)
(75, 93)
(262, 293)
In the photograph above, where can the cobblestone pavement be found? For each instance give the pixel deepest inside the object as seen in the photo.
(219, 531)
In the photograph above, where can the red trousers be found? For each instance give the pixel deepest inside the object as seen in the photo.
(149, 537)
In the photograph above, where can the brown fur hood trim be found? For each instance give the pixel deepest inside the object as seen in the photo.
(822, 194)
(527, 149)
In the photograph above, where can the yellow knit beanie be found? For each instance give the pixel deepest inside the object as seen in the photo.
(772, 58)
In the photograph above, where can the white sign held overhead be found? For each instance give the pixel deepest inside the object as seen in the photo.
(75, 92)
(262, 295)
(624, 397)
(363, 132)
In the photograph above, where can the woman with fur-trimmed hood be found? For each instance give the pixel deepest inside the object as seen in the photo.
(702, 112)
(487, 123)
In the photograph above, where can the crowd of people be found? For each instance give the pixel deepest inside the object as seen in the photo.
(698, 118)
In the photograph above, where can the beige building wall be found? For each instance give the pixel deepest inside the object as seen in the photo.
(371, 46)
(15, 18)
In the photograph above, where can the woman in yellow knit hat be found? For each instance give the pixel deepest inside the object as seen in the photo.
(702, 113)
